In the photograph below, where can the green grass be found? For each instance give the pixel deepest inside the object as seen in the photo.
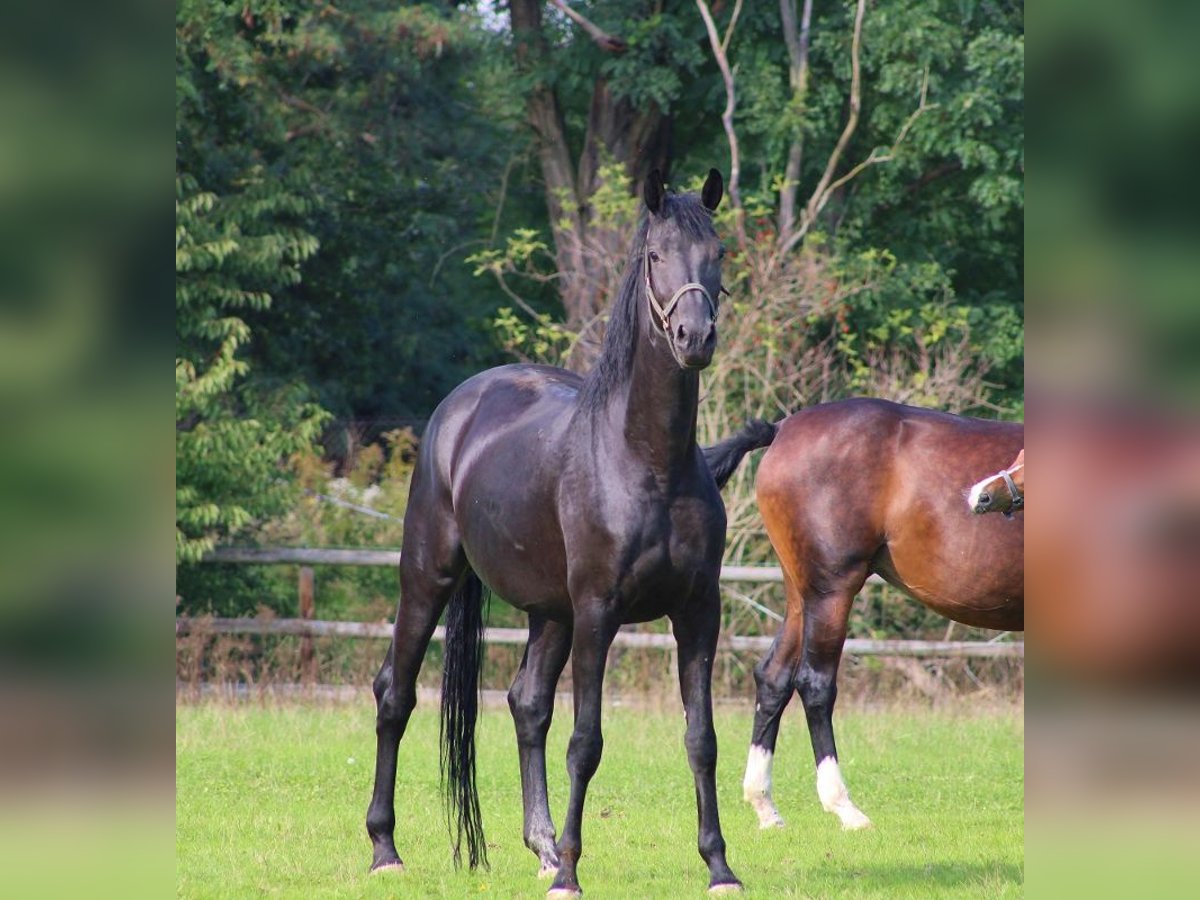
(271, 800)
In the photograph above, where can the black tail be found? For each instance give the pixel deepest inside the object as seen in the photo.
(460, 706)
(724, 457)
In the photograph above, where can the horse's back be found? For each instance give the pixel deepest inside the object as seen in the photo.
(871, 479)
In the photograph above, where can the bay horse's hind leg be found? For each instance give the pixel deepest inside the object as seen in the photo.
(432, 566)
(774, 678)
(826, 613)
(531, 700)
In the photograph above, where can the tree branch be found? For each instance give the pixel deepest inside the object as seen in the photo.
(820, 195)
(719, 52)
(797, 42)
(874, 159)
(828, 184)
(602, 38)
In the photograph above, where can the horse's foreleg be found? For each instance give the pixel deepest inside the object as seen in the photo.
(774, 678)
(423, 597)
(593, 634)
(531, 699)
(696, 637)
(825, 617)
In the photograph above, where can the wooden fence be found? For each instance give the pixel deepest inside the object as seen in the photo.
(307, 626)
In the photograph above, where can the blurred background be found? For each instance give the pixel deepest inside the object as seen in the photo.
(85, 468)
(1113, 545)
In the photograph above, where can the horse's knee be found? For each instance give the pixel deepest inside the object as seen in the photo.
(382, 681)
(774, 686)
(817, 688)
(583, 754)
(531, 714)
(393, 705)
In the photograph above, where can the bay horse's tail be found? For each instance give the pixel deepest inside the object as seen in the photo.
(724, 457)
(460, 706)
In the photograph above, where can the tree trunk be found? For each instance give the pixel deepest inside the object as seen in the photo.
(638, 139)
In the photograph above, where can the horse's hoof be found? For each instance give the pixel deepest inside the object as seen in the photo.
(563, 893)
(729, 887)
(859, 823)
(853, 819)
(393, 865)
(768, 815)
(775, 820)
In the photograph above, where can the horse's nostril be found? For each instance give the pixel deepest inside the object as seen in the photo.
(984, 498)
(681, 332)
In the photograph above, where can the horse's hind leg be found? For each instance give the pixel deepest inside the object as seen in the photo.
(531, 700)
(826, 612)
(774, 677)
(432, 566)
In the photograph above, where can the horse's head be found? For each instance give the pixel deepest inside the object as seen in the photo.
(682, 268)
(1003, 492)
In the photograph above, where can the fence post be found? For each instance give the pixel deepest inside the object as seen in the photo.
(308, 667)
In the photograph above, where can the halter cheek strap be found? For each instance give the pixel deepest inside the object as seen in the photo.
(1018, 499)
(664, 312)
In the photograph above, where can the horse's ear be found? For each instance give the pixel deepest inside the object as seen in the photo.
(653, 192)
(714, 187)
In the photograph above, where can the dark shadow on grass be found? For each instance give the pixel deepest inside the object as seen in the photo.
(944, 875)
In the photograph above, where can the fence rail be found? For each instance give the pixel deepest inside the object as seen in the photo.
(309, 627)
(640, 639)
(309, 556)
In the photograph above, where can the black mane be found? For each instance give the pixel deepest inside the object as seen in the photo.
(615, 363)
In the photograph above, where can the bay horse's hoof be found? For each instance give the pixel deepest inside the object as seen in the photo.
(856, 821)
(728, 887)
(768, 815)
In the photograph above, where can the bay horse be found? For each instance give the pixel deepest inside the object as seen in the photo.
(862, 486)
(1003, 492)
(586, 503)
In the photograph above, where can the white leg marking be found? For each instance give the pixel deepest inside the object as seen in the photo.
(835, 798)
(756, 787)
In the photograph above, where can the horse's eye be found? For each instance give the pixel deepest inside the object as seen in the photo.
(721, 253)
(653, 256)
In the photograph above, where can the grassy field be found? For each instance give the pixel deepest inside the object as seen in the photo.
(271, 800)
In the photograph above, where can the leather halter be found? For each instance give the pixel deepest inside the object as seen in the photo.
(664, 312)
(1018, 499)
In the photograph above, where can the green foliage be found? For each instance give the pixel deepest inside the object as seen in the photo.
(397, 122)
(377, 478)
(231, 439)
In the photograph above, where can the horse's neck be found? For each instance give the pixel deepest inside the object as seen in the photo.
(657, 409)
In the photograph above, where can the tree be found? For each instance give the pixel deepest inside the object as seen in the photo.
(231, 440)
(395, 123)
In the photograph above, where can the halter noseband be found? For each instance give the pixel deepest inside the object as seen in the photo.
(664, 312)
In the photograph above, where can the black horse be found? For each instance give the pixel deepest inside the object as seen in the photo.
(587, 503)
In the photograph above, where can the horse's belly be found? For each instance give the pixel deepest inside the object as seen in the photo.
(515, 547)
(974, 589)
